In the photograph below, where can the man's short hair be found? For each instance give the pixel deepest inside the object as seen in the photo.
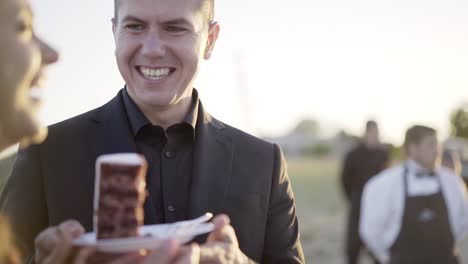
(208, 8)
(415, 134)
(371, 124)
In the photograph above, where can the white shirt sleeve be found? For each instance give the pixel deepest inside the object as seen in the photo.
(461, 210)
(375, 216)
(456, 199)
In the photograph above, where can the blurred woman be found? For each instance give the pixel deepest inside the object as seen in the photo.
(23, 60)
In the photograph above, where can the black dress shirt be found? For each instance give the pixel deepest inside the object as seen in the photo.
(170, 160)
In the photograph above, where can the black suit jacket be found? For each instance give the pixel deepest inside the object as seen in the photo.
(234, 173)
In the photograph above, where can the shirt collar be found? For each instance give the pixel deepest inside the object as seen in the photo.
(135, 117)
(138, 120)
(415, 168)
(192, 115)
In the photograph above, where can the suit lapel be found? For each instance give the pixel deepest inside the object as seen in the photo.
(212, 166)
(115, 133)
(116, 137)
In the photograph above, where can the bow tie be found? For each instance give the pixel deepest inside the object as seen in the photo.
(425, 174)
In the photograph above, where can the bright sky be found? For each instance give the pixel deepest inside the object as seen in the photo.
(276, 62)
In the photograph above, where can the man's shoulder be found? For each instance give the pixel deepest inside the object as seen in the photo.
(447, 175)
(384, 186)
(355, 149)
(247, 143)
(79, 119)
(386, 178)
(74, 130)
(237, 135)
(446, 172)
(74, 125)
(78, 122)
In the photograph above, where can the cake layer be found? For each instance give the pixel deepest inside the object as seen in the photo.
(120, 186)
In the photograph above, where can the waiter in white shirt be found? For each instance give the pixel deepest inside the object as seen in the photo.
(415, 213)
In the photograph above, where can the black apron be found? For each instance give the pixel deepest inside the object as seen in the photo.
(425, 236)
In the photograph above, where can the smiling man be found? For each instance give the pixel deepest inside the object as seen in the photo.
(197, 164)
(159, 51)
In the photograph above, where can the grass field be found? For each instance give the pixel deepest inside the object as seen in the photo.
(321, 210)
(314, 180)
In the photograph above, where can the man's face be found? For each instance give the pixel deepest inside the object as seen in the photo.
(371, 137)
(23, 58)
(426, 152)
(159, 47)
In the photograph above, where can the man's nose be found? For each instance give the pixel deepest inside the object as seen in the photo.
(153, 46)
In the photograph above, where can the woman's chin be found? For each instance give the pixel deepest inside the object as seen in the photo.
(26, 129)
(34, 138)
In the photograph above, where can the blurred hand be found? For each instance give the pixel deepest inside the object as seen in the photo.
(54, 246)
(173, 253)
(222, 245)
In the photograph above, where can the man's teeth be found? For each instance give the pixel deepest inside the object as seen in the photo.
(35, 94)
(154, 74)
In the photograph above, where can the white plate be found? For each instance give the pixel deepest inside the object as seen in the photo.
(150, 237)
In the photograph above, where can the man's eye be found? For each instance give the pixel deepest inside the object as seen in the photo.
(134, 27)
(175, 29)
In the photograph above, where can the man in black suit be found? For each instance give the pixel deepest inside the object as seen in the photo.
(364, 161)
(197, 164)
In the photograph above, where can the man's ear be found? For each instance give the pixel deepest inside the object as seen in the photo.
(114, 25)
(213, 33)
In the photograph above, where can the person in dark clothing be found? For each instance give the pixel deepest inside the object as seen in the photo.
(367, 159)
(24, 59)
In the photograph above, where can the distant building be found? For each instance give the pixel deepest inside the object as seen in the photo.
(296, 144)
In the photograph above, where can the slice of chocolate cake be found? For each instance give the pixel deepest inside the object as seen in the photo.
(120, 191)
